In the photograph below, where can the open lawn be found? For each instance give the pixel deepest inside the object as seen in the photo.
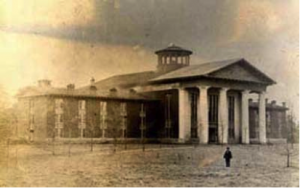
(166, 165)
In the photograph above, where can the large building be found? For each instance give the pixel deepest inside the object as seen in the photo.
(178, 102)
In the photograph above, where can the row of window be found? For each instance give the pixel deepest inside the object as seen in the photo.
(177, 59)
(82, 114)
(59, 110)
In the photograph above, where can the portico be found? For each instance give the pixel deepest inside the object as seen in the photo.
(213, 100)
(222, 115)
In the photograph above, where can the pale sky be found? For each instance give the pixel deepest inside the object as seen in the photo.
(69, 41)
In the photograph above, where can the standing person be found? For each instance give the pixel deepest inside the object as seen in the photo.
(227, 156)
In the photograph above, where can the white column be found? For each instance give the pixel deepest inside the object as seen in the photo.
(245, 117)
(237, 119)
(223, 117)
(203, 115)
(184, 115)
(262, 118)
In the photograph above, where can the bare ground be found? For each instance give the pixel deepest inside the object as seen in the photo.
(252, 165)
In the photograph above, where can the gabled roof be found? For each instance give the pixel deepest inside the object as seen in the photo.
(208, 70)
(233, 69)
(124, 81)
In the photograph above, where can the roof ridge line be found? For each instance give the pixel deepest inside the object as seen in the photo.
(233, 61)
(117, 75)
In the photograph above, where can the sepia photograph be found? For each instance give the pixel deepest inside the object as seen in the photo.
(149, 93)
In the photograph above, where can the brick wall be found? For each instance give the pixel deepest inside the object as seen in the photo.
(275, 123)
(44, 118)
(70, 117)
(40, 114)
(253, 123)
(161, 112)
(50, 117)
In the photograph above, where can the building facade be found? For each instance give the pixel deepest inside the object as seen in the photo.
(46, 113)
(204, 103)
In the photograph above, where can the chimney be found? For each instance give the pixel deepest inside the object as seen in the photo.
(44, 83)
(267, 101)
(132, 91)
(92, 81)
(283, 104)
(70, 86)
(273, 103)
(93, 88)
(113, 91)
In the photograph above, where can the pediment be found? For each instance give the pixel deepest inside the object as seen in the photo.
(241, 71)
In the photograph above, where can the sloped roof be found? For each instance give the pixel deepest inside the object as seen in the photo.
(206, 70)
(124, 81)
(174, 48)
(51, 91)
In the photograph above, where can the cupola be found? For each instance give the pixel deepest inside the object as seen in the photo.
(172, 58)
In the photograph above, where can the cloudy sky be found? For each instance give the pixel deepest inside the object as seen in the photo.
(69, 41)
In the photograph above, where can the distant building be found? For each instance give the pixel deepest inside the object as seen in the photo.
(276, 120)
(179, 102)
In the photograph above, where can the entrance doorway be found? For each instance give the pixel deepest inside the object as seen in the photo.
(213, 103)
(194, 122)
(231, 117)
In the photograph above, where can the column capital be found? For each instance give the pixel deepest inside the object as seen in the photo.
(203, 87)
(180, 88)
(262, 93)
(262, 96)
(245, 91)
(224, 89)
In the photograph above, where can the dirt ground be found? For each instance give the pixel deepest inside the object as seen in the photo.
(159, 165)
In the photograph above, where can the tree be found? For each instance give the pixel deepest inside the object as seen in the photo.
(292, 135)
(7, 122)
(296, 132)
(292, 128)
(7, 117)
